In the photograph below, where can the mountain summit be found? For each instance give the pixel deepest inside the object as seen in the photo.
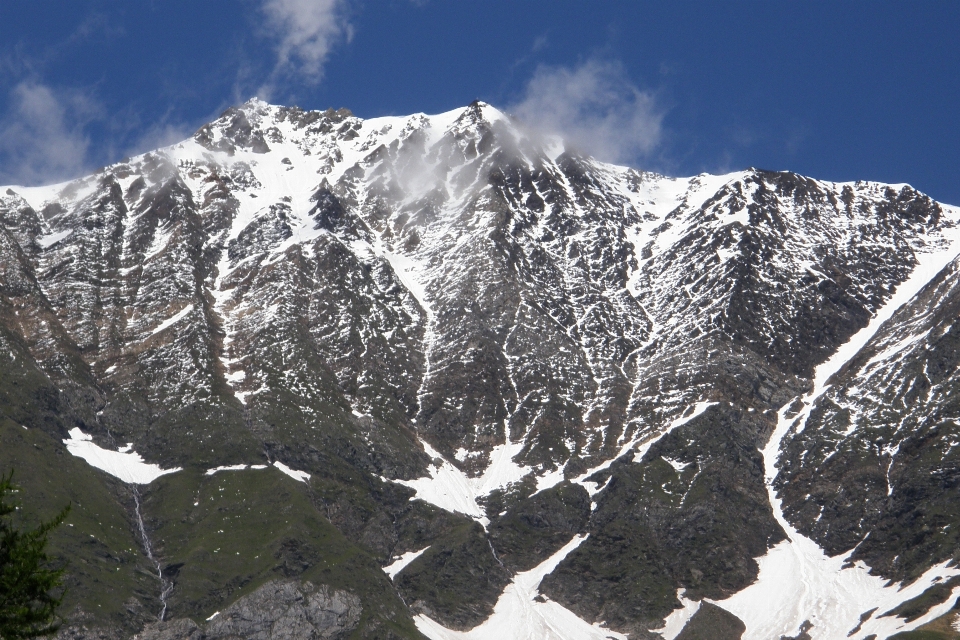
(306, 375)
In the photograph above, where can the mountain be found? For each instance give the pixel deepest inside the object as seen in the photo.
(306, 375)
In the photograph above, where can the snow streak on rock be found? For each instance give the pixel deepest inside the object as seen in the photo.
(798, 582)
(398, 565)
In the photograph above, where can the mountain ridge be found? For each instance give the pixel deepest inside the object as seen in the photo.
(534, 344)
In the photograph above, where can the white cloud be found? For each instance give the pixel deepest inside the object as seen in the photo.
(306, 31)
(160, 135)
(42, 137)
(595, 108)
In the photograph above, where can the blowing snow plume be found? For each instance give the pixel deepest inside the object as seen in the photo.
(595, 107)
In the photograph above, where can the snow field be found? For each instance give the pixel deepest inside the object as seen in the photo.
(449, 488)
(125, 464)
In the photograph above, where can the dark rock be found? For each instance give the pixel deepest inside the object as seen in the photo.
(710, 622)
(288, 610)
(802, 634)
(179, 629)
(457, 580)
(467, 289)
(537, 527)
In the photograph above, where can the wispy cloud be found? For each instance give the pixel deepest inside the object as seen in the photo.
(305, 31)
(19, 59)
(47, 134)
(131, 132)
(594, 107)
(42, 135)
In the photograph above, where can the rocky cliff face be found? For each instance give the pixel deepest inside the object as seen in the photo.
(446, 339)
(876, 455)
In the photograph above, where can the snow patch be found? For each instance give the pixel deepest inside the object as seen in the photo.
(231, 467)
(677, 465)
(37, 197)
(726, 254)
(52, 239)
(169, 322)
(451, 489)
(302, 476)
(127, 465)
(679, 618)
(397, 566)
(549, 480)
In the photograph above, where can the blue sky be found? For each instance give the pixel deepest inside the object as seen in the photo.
(835, 90)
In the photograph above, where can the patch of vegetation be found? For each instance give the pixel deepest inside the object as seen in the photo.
(29, 587)
(109, 577)
(205, 434)
(224, 535)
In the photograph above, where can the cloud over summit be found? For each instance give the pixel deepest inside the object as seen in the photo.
(42, 135)
(306, 31)
(595, 107)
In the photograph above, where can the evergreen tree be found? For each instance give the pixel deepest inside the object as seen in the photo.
(28, 587)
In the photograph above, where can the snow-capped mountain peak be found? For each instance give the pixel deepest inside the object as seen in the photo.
(468, 344)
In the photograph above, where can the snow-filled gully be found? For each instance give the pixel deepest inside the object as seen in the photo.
(518, 615)
(798, 582)
(449, 488)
